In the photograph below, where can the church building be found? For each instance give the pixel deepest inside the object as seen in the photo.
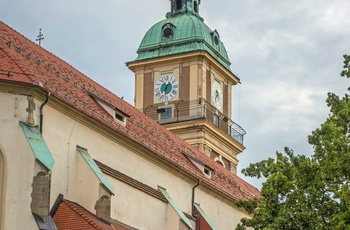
(73, 155)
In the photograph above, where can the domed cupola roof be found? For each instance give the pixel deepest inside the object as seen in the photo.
(182, 31)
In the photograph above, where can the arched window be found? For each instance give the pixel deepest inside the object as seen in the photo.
(178, 4)
(195, 7)
(2, 188)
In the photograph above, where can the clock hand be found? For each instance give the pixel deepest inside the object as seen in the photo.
(216, 95)
(167, 84)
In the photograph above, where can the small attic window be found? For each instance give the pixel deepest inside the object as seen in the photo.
(200, 165)
(207, 172)
(112, 110)
(119, 117)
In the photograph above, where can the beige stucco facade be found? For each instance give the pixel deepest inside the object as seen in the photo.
(63, 129)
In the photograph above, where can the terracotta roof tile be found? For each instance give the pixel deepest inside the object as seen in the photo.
(9, 71)
(72, 216)
(74, 88)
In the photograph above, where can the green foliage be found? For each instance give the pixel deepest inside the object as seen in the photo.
(248, 205)
(307, 192)
(346, 70)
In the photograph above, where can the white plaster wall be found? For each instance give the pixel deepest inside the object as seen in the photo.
(20, 162)
(87, 185)
(224, 216)
(137, 208)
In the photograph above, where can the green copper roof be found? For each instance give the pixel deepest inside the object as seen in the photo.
(176, 208)
(204, 215)
(38, 145)
(103, 179)
(182, 33)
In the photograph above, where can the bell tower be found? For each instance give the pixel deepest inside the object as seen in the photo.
(184, 6)
(183, 80)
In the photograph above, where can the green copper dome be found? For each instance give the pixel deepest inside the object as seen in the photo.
(182, 32)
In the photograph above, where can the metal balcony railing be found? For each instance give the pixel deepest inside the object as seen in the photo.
(193, 110)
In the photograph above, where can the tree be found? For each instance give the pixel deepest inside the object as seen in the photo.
(303, 192)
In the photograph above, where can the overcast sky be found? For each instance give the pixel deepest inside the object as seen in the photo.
(288, 55)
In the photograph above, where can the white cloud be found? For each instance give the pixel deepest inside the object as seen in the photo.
(336, 16)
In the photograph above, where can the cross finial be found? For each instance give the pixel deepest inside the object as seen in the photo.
(40, 37)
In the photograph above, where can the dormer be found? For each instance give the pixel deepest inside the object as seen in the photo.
(118, 115)
(205, 169)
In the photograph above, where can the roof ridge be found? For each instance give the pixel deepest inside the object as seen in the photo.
(88, 220)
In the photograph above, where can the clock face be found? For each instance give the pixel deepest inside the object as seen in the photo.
(216, 95)
(166, 88)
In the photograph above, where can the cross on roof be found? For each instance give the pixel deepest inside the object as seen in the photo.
(40, 37)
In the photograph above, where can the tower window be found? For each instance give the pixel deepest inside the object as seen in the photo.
(167, 33)
(167, 112)
(195, 7)
(216, 120)
(216, 40)
(178, 4)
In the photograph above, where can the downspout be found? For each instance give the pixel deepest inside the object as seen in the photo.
(41, 111)
(199, 181)
(177, 110)
(193, 213)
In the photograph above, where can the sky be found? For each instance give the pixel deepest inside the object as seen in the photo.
(288, 55)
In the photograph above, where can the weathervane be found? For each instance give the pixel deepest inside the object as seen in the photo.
(40, 37)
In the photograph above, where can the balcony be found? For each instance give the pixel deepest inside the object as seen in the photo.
(200, 109)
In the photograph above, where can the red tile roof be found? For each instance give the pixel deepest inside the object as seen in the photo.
(29, 63)
(72, 216)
